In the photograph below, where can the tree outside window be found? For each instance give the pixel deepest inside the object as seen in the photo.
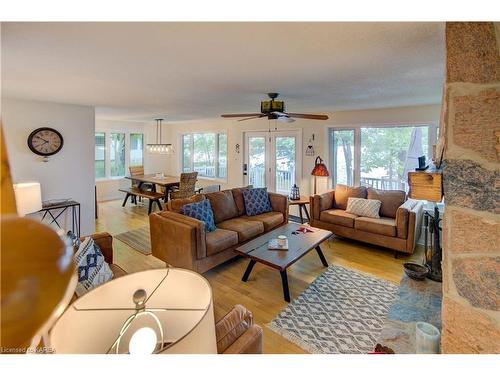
(117, 155)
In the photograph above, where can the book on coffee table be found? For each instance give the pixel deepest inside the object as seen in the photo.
(274, 245)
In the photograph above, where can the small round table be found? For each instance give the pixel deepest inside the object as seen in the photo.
(302, 206)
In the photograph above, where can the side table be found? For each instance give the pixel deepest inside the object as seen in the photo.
(302, 206)
(48, 209)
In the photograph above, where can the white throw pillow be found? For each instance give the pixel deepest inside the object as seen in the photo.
(364, 207)
(91, 267)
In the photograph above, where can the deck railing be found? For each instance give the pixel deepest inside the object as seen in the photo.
(383, 183)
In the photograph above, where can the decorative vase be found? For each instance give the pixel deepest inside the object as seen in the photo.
(427, 338)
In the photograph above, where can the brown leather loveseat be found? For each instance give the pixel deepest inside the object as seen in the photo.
(399, 225)
(181, 241)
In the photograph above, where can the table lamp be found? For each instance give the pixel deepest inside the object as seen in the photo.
(28, 197)
(319, 170)
(156, 311)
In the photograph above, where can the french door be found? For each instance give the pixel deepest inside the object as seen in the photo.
(272, 160)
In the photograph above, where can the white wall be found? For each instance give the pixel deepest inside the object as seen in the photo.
(235, 131)
(107, 188)
(68, 174)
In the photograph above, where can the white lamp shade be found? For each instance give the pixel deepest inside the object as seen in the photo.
(28, 197)
(188, 323)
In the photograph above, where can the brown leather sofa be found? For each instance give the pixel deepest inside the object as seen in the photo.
(235, 332)
(181, 241)
(399, 225)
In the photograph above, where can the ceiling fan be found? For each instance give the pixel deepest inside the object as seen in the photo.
(275, 110)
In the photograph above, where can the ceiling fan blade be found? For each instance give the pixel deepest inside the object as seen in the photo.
(251, 118)
(308, 116)
(241, 115)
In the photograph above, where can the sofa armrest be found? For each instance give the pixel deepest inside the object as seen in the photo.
(105, 242)
(249, 342)
(402, 218)
(320, 203)
(236, 333)
(177, 239)
(279, 203)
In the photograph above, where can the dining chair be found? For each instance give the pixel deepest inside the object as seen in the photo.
(139, 171)
(186, 187)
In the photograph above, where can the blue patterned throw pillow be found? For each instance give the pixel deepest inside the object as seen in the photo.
(256, 201)
(91, 266)
(201, 211)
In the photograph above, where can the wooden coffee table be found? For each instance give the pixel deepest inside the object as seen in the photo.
(298, 245)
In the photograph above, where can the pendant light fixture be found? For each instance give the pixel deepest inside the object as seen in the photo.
(158, 147)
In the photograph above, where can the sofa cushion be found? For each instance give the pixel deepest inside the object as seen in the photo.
(220, 240)
(175, 205)
(223, 205)
(201, 211)
(363, 207)
(238, 199)
(342, 192)
(269, 219)
(256, 201)
(391, 200)
(246, 229)
(385, 226)
(339, 217)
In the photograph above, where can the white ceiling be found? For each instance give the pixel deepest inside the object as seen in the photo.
(137, 71)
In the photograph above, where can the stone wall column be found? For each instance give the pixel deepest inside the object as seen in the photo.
(471, 229)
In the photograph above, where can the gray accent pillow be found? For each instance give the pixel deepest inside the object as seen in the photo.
(364, 207)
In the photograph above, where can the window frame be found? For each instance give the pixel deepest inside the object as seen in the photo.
(432, 139)
(216, 152)
(130, 148)
(107, 151)
(104, 153)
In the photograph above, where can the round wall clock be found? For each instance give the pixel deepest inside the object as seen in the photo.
(45, 141)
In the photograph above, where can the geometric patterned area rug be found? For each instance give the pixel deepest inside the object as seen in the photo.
(138, 239)
(341, 312)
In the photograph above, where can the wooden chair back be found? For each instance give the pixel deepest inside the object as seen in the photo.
(136, 171)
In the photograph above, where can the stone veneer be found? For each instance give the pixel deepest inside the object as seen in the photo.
(471, 230)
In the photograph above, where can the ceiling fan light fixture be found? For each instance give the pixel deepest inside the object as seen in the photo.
(285, 119)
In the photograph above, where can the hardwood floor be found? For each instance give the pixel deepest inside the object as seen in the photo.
(262, 294)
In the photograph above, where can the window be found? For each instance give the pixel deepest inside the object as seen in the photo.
(117, 155)
(343, 152)
(123, 150)
(136, 149)
(377, 156)
(205, 153)
(384, 152)
(100, 153)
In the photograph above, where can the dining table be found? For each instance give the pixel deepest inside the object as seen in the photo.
(168, 182)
